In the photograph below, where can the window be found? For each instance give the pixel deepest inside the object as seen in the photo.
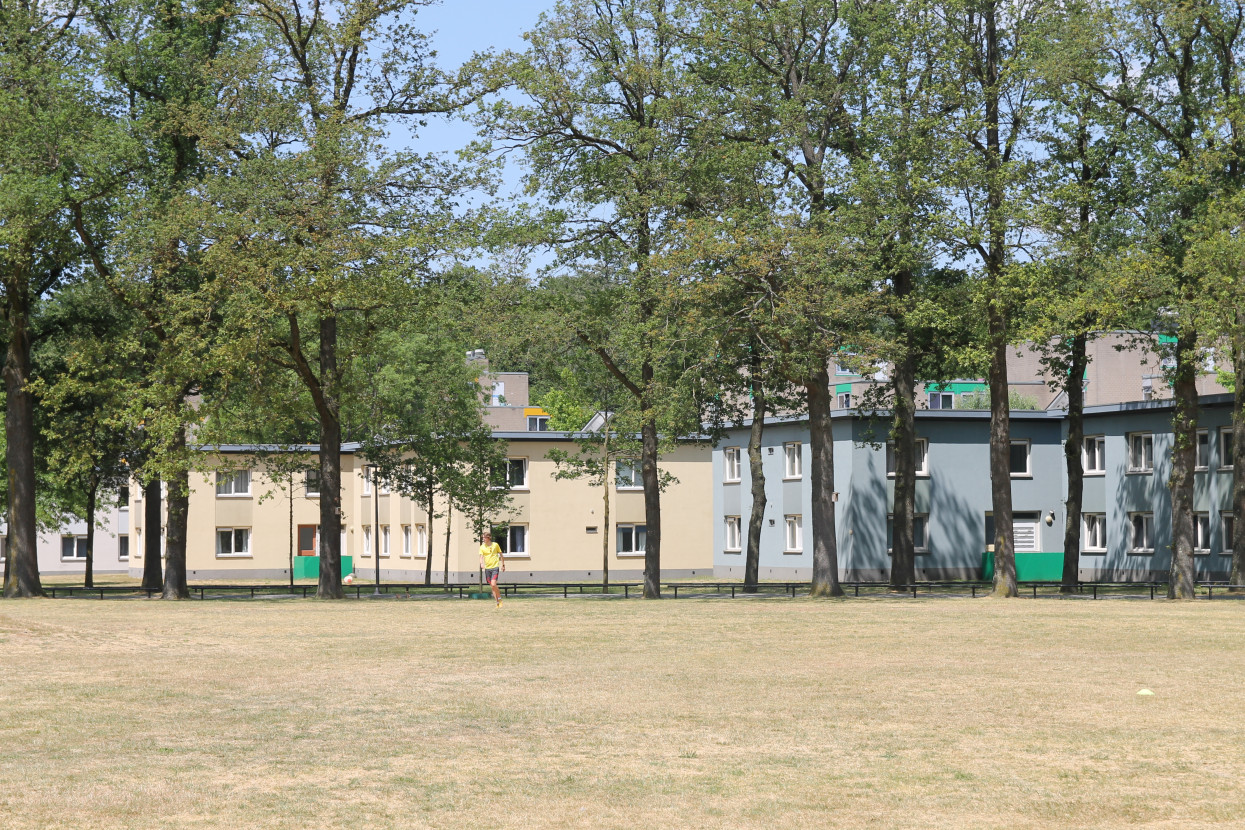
(1140, 452)
(1026, 530)
(1142, 533)
(794, 534)
(941, 400)
(840, 369)
(732, 534)
(406, 541)
(516, 473)
(233, 483)
(537, 423)
(730, 460)
(367, 541)
(632, 540)
(123, 498)
(1095, 536)
(512, 539)
(367, 481)
(1203, 449)
(1201, 532)
(1225, 448)
(1228, 523)
(233, 541)
(138, 543)
(123, 547)
(1094, 458)
(845, 400)
(793, 466)
(311, 483)
(498, 395)
(309, 540)
(627, 474)
(4, 547)
(1019, 461)
(920, 533)
(922, 451)
(73, 547)
(384, 541)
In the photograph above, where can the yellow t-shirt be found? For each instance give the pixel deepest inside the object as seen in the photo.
(491, 554)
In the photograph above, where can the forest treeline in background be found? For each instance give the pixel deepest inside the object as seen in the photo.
(218, 225)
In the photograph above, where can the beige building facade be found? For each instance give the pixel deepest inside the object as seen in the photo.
(246, 524)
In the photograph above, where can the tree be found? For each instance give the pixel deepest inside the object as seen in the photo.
(321, 228)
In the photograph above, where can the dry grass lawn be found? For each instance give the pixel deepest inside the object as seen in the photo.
(595, 713)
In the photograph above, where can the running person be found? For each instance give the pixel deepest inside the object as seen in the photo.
(492, 561)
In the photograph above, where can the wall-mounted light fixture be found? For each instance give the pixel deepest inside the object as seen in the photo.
(1050, 518)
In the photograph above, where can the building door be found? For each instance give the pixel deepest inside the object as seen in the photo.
(1026, 532)
(308, 540)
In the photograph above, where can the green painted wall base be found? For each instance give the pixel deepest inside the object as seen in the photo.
(1030, 567)
(308, 567)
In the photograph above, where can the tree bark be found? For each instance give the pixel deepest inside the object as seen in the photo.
(178, 521)
(756, 474)
(290, 494)
(153, 579)
(330, 584)
(1181, 582)
(1000, 460)
(449, 527)
(652, 497)
(1074, 388)
(22, 579)
(821, 443)
(903, 435)
(92, 489)
(605, 498)
(1237, 574)
(428, 536)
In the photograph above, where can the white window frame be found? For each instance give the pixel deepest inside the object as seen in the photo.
(792, 461)
(1148, 525)
(516, 530)
(1142, 439)
(366, 553)
(1201, 533)
(1028, 471)
(918, 545)
(510, 466)
(1100, 450)
(1094, 532)
(843, 400)
(949, 398)
(1225, 452)
(233, 552)
(406, 542)
(233, 484)
(537, 423)
(123, 547)
(634, 481)
(1226, 521)
(633, 529)
(731, 467)
(384, 541)
(733, 536)
(922, 458)
(1202, 445)
(367, 480)
(311, 483)
(497, 393)
(793, 533)
(79, 543)
(420, 549)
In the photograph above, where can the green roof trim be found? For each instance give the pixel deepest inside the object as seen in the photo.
(1167, 338)
(959, 388)
(840, 388)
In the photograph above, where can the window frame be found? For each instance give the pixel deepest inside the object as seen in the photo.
(731, 461)
(1028, 471)
(233, 553)
(949, 397)
(542, 423)
(366, 552)
(1227, 520)
(310, 492)
(1148, 523)
(79, 543)
(738, 533)
(406, 542)
(1225, 448)
(843, 400)
(1201, 528)
(793, 521)
(922, 451)
(636, 478)
(1202, 441)
(385, 541)
(123, 547)
(510, 533)
(636, 529)
(1087, 532)
(233, 476)
(510, 467)
(790, 471)
(918, 549)
(1101, 443)
(1145, 437)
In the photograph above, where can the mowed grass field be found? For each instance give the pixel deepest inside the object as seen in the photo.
(621, 714)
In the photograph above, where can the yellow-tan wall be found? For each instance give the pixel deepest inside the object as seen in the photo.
(557, 514)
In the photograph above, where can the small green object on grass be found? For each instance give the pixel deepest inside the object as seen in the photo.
(480, 595)
(1146, 692)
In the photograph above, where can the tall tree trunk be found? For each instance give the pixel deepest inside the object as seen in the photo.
(1181, 582)
(652, 497)
(22, 578)
(449, 527)
(330, 585)
(1074, 388)
(821, 445)
(178, 520)
(428, 536)
(153, 578)
(605, 498)
(756, 473)
(1237, 574)
(92, 488)
(290, 493)
(903, 434)
(1000, 460)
